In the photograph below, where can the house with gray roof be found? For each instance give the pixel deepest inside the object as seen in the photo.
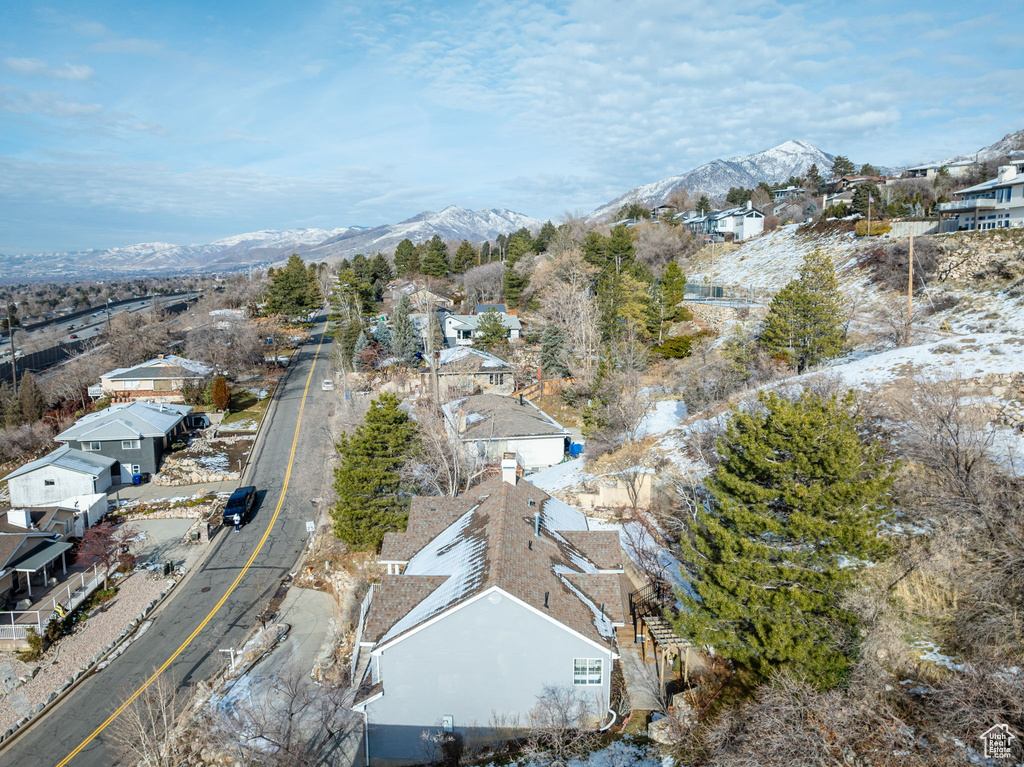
(460, 329)
(994, 204)
(490, 598)
(160, 379)
(134, 434)
(64, 473)
(462, 370)
(490, 425)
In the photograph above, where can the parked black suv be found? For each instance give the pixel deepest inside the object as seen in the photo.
(241, 503)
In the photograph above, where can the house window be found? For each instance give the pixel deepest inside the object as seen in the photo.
(48, 483)
(91, 446)
(495, 379)
(465, 335)
(131, 384)
(586, 671)
(130, 444)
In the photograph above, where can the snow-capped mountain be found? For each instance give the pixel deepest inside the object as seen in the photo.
(452, 223)
(265, 246)
(226, 253)
(792, 158)
(1005, 145)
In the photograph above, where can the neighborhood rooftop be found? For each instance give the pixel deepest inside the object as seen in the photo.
(169, 366)
(68, 458)
(491, 416)
(127, 420)
(567, 572)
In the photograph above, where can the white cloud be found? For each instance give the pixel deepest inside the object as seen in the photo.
(17, 101)
(39, 68)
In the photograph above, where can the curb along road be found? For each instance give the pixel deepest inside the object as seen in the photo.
(161, 603)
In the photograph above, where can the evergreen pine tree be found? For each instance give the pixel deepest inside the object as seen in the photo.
(703, 204)
(367, 479)
(347, 339)
(490, 331)
(10, 407)
(293, 289)
(31, 400)
(361, 345)
(841, 166)
(794, 513)
(544, 237)
(552, 351)
(465, 257)
(673, 289)
(804, 321)
(406, 262)
(485, 252)
(404, 343)
(513, 283)
(382, 335)
(815, 183)
(435, 263)
(380, 269)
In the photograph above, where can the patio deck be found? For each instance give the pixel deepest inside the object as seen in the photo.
(65, 595)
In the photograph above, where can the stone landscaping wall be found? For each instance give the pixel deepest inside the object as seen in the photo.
(187, 467)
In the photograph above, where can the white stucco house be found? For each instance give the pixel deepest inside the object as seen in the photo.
(994, 204)
(64, 473)
(460, 329)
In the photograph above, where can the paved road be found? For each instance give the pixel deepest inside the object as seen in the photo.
(49, 741)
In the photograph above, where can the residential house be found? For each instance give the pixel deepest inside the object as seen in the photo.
(490, 425)
(738, 224)
(460, 329)
(421, 298)
(994, 204)
(932, 169)
(160, 379)
(481, 308)
(64, 473)
(491, 598)
(134, 434)
(28, 545)
(788, 193)
(462, 370)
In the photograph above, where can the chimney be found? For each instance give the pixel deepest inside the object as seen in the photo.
(461, 421)
(20, 518)
(546, 595)
(750, 205)
(508, 468)
(536, 523)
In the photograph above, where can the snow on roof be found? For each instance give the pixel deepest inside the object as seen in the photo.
(67, 458)
(169, 366)
(147, 418)
(457, 353)
(453, 554)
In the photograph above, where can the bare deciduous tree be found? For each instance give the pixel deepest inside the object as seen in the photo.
(441, 464)
(145, 730)
(562, 725)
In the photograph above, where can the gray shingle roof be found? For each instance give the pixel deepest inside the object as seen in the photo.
(491, 416)
(170, 366)
(127, 420)
(68, 458)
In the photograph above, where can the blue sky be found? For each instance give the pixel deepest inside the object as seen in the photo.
(124, 122)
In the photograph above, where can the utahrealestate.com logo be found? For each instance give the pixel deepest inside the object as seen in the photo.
(997, 740)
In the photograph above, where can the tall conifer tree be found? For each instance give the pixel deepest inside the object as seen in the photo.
(794, 513)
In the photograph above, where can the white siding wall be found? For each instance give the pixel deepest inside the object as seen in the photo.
(490, 658)
(31, 489)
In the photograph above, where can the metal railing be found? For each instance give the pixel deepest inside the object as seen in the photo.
(982, 204)
(13, 623)
(363, 610)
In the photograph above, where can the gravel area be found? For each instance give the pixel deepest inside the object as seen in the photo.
(74, 653)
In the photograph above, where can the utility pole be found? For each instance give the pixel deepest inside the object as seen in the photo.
(108, 314)
(14, 353)
(910, 287)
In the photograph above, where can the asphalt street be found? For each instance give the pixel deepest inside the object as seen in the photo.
(50, 740)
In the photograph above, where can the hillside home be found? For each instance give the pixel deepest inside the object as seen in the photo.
(422, 299)
(64, 473)
(462, 370)
(160, 379)
(460, 329)
(931, 169)
(134, 434)
(994, 204)
(788, 193)
(738, 224)
(490, 598)
(489, 425)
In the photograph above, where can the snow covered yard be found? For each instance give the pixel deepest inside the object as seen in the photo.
(625, 752)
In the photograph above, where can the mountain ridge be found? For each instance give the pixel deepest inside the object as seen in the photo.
(790, 158)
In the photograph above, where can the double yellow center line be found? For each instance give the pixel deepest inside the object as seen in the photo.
(231, 588)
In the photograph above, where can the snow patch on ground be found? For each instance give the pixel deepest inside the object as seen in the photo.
(663, 417)
(617, 754)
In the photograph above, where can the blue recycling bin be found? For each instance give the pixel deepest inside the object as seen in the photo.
(575, 449)
(136, 479)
